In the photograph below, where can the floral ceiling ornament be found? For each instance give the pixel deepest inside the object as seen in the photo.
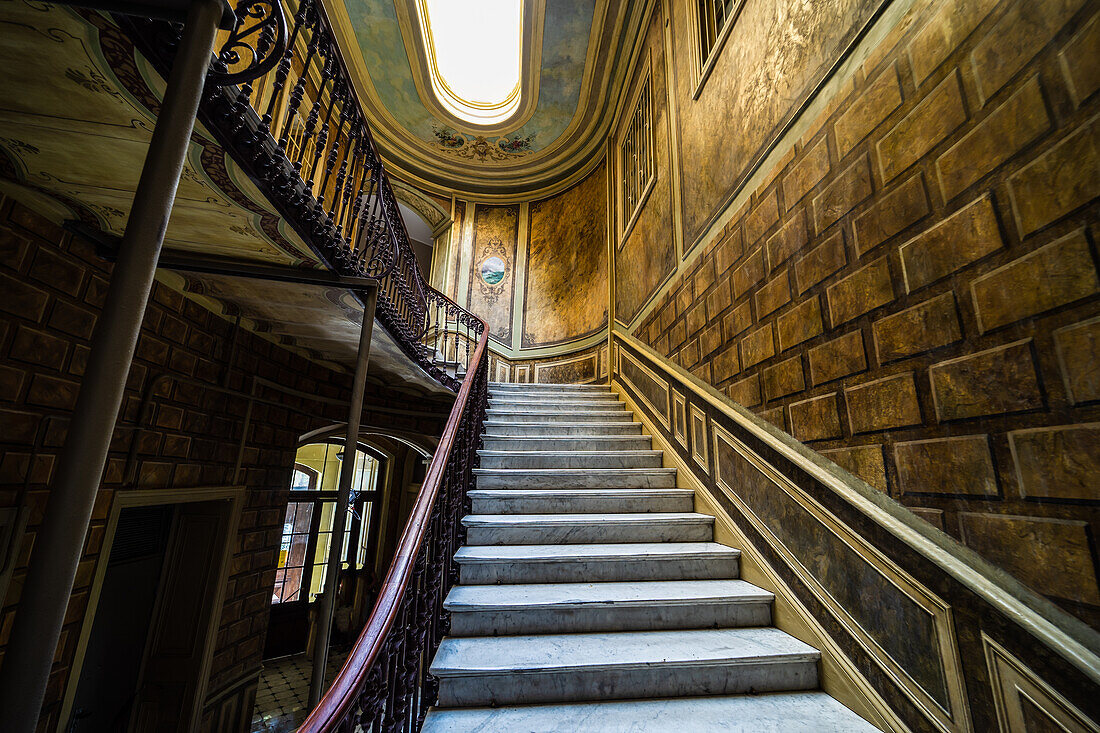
(493, 268)
(481, 148)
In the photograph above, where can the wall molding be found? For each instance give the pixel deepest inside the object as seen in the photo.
(840, 676)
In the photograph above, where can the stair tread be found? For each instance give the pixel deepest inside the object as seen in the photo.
(506, 520)
(543, 438)
(560, 653)
(632, 551)
(596, 471)
(776, 712)
(588, 453)
(560, 596)
(546, 493)
(490, 422)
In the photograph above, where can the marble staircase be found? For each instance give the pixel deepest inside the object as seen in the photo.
(592, 597)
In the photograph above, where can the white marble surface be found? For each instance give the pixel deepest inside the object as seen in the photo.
(564, 404)
(571, 667)
(565, 478)
(568, 442)
(554, 501)
(779, 712)
(537, 529)
(571, 459)
(596, 416)
(597, 562)
(504, 428)
(501, 387)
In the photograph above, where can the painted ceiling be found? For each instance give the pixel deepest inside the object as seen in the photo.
(579, 59)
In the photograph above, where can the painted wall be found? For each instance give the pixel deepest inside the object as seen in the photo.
(646, 243)
(907, 279)
(536, 271)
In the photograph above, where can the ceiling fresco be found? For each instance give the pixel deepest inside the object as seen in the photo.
(579, 58)
(565, 46)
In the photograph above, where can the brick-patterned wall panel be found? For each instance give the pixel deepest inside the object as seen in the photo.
(176, 430)
(914, 290)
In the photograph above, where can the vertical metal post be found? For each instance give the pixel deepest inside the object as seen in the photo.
(343, 495)
(59, 540)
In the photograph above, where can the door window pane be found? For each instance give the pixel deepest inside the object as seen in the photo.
(292, 552)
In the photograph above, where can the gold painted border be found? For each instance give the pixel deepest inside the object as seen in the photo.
(663, 416)
(699, 449)
(1012, 680)
(679, 424)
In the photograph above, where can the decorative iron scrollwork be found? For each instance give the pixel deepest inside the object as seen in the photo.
(255, 45)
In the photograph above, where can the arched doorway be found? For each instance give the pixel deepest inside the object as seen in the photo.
(307, 534)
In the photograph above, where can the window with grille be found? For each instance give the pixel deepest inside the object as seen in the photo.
(636, 156)
(714, 19)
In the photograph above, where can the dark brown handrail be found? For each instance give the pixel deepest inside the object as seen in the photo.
(338, 707)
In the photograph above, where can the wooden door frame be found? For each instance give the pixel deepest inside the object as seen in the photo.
(235, 497)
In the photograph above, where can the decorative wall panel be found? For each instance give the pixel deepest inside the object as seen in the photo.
(492, 268)
(566, 282)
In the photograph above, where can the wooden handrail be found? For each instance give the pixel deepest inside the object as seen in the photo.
(338, 703)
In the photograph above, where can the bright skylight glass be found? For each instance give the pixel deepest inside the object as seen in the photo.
(474, 55)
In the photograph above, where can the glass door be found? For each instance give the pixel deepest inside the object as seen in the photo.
(307, 535)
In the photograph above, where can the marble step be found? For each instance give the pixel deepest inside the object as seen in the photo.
(505, 428)
(570, 608)
(571, 459)
(501, 387)
(489, 564)
(566, 501)
(774, 712)
(596, 416)
(505, 670)
(577, 529)
(567, 442)
(547, 404)
(575, 478)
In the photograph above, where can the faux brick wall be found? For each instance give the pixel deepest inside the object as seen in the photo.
(185, 436)
(914, 291)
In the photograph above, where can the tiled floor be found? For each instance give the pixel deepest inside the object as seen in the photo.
(284, 691)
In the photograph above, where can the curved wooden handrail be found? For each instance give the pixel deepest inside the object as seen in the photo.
(341, 696)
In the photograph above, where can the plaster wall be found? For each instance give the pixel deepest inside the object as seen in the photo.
(887, 214)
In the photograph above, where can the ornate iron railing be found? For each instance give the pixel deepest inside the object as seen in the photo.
(385, 685)
(280, 100)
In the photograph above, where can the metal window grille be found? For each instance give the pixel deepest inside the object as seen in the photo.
(713, 15)
(637, 154)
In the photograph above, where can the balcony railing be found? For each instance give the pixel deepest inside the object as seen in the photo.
(280, 100)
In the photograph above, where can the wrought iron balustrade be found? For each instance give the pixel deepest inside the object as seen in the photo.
(384, 684)
(280, 100)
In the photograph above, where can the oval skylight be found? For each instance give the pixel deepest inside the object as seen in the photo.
(473, 51)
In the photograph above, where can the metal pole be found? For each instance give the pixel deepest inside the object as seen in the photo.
(59, 540)
(343, 495)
